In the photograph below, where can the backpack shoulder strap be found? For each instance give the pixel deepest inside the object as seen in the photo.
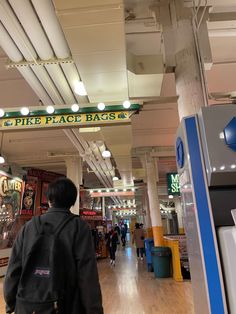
(63, 224)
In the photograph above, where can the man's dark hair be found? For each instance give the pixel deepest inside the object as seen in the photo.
(62, 193)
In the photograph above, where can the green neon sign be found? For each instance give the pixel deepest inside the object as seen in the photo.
(173, 183)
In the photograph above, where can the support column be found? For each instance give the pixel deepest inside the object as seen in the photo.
(187, 72)
(182, 47)
(147, 217)
(74, 172)
(103, 208)
(179, 211)
(154, 202)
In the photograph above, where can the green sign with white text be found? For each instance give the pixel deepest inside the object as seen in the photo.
(173, 184)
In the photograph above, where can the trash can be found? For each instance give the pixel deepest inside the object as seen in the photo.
(149, 244)
(161, 260)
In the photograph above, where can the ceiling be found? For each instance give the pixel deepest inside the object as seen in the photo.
(116, 49)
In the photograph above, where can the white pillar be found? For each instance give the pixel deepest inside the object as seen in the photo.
(74, 172)
(103, 208)
(179, 211)
(154, 205)
(147, 217)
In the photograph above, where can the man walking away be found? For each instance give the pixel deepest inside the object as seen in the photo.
(52, 268)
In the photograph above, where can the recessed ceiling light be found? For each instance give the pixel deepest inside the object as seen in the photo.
(2, 112)
(80, 89)
(106, 154)
(101, 106)
(50, 109)
(24, 111)
(75, 107)
(126, 104)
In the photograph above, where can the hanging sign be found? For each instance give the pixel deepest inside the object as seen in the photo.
(65, 120)
(112, 193)
(173, 184)
(29, 196)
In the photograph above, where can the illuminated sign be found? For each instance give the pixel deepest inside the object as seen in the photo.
(65, 120)
(173, 184)
(8, 184)
(108, 194)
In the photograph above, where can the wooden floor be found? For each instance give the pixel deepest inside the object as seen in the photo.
(128, 288)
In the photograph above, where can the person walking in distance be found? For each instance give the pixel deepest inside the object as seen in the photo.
(138, 239)
(112, 239)
(52, 268)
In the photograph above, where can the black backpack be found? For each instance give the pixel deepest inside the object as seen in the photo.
(44, 275)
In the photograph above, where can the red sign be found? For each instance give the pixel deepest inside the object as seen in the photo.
(118, 193)
(88, 213)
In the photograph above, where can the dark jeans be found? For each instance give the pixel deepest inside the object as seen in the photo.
(112, 251)
(123, 240)
(140, 250)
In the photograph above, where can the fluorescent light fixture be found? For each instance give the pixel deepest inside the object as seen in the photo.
(2, 112)
(75, 107)
(115, 179)
(126, 104)
(106, 154)
(50, 109)
(2, 160)
(171, 196)
(24, 111)
(89, 130)
(101, 106)
(80, 89)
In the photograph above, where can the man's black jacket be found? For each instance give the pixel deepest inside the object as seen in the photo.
(86, 299)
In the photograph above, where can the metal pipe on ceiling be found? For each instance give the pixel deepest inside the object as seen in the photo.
(10, 22)
(15, 55)
(26, 15)
(46, 13)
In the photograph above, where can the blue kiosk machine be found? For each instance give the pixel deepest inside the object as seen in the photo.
(206, 159)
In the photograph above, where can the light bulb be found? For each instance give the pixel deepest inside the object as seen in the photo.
(24, 111)
(101, 106)
(75, 107)
(106, 154)
(80, 89)
(50, 109)
(115, 179)
(126, 104)
(2, 112)
(2, 160)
